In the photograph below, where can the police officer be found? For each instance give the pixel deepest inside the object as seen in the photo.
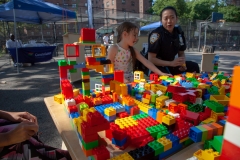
(165, 42)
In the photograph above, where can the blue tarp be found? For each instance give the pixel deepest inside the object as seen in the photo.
(151, 26)
(34, 11)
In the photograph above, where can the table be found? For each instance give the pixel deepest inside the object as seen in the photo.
(33, 54)
(71, 140)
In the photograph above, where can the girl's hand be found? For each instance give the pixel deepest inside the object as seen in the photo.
(22, 117)
(22, 132)
(166, 74)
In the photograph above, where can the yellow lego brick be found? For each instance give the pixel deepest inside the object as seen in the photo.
(198, 154)
(161, 88)
(138, 75)
(183, 140)
(75, 92)
(162, 99)
(153, 87)
(110, 111)
(58, 98)
(217, 83)
(166, 143)
(222, 91)
(163, 77)
(124, 156)
(86, 111)
(129, 101)
(126, 122)
(97, 101)
(168, 119)
(190, 75)
(223, 81)
(215, 115)
(145, 100)
(222, 99)
(208, 120)
(213, 76)
(147, 86)
(124, 89)
(203, 86)
(209, 154)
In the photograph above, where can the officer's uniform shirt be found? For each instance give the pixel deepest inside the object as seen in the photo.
(165, 44)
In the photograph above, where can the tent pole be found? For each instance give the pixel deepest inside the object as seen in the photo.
(15, 32)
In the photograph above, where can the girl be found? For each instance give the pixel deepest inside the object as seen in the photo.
(124, 56)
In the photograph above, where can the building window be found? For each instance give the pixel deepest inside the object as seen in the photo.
(74, 5)
(65, 4)
(107, 4)
(112, 2)
(123, 1)
(133, 3)
(102, 5)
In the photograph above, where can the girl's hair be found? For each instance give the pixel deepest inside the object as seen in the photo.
(167, 8)
(128, 27)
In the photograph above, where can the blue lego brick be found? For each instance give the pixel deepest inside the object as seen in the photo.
(225, 109)
(165, 83)
(173, 138)
(110, 118)
(170, 151)
(195, 134)
(153, 113)
(204, 75)
(129, 87)
(79, 65)
(118, 107)
(187, 84)
(206, 96)
(74, 115)
(210, 83)
(118, 142)
(100, 109)
(128, 108)
(108, 76)
(141, 112)
(138, 97)
(80, 137)
(222, 122)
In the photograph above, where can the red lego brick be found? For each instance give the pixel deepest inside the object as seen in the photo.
(88, 34)
(146, 141)
(106, 99)
(119, 76)
(119, 134)
(176, 89)
(122, 114)
(207, 111)
(106, 80)
(79, 99)
(191, 117)
(84, 69)
(66, 46)
(90, 60)
(67, 89)
(147, 122)
(181, 133)
(134, 110)
(90, 138)
(229, 151)
(72, 109)
(108, 134)
(192, 95)
(173, 107)
(233, 114)
(95, 118)
(180, 97)
(154, 77)
(182, 107)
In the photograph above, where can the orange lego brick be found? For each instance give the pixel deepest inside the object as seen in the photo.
(234, 100)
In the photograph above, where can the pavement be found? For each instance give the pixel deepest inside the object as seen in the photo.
(25, 91)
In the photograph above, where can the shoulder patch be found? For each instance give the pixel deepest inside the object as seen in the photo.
(154, 37)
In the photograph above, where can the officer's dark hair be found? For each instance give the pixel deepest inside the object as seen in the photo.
(128, 27)
(167, 8)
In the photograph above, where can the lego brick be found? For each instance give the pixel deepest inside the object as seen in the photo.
(204, 133)
(217, 143)
(110, 111)
(168, 119)
(195, 134)
(142, 153)
(76, 47)
(209, 132)
(233, 114)
(166, 143)
(234, 99)
(219, 128)
(119, 143)
(157, 147)
(231, 134)
(174, 139)
(89, 145)
(229, 151)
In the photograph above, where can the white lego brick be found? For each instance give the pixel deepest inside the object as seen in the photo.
(198, 101)
(159, 93)
(175, 115)
(70, 102)
(167, 102)
(192, 158)
(231, 133)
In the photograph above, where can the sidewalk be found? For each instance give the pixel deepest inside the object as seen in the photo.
(25, 91)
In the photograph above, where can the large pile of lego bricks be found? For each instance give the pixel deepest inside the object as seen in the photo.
(155, 118)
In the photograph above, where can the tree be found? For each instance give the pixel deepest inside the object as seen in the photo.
(230, 13)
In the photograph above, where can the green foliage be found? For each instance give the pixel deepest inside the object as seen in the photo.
(230, 13)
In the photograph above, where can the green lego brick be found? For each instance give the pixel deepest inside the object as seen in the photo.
(228, 94)
(62, 63)
(73, 70)
(188, 142)
(207, 144)
(132, 92)
(85, 73)
(217, 143)
(153, 98)
(154, 130)
(86, 92)
(71, 62)
(162, 133)
(140, 116)
(215, 106)
(83, 106)
(169, 95)
(89, 145)
(204, 133)
(157, 147)
(196, 108)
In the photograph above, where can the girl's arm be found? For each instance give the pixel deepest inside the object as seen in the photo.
(112, 53)
(149, 64)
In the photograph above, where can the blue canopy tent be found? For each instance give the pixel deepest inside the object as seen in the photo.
(33, 11)
(151, 26)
